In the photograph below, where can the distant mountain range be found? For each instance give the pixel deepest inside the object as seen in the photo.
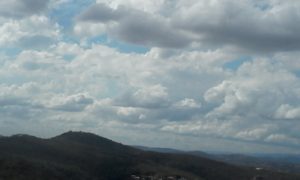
(85, 156)
(276, 162)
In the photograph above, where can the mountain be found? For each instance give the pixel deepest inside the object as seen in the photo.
(160, 150)
(291, 158)
(275, 162)
(85, 156)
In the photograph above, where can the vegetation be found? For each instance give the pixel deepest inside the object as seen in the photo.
(78, 155)
(275, 162)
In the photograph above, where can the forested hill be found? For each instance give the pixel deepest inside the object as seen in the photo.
(85, 156)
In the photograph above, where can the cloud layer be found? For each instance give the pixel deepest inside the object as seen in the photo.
(256, 26)
(214, 74)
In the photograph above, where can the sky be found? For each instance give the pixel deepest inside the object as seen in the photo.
(211, 75)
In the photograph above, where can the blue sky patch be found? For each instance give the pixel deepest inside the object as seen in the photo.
(235, 64)
(64, 15)
(120, 46)
(297, 73)
(11, 51)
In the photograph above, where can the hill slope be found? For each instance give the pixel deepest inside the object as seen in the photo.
(274, 162)
(78, 155)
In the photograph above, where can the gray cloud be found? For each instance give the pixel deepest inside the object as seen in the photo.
(73, 103)
(144, 30)
(22, 8)
(12, 101)
(244, 25)
(101, 13)
(35, 42)
(17, 107)
(135, 26)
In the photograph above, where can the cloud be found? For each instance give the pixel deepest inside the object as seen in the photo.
(243, 24)
(147, 93)
(155, 96)
(22, 8)
(138, 29)
(259, 27)
(53, 79)
(30, 60)
(35, 32)
(36, 42)
(258, 87)
(247, 106)
(282, 139)
(187, 103)
(254, 134)
(17, 103)
(72, 103)
(101, 13)
(133, 26)
(287, 111)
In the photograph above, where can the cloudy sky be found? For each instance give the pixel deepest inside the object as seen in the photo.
(213, 75)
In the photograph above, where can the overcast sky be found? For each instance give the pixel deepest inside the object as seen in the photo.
(212, 75)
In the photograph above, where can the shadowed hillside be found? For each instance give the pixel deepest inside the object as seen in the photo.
(274, 162)
(79, 155)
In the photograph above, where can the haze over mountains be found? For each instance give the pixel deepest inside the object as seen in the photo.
(79, 155)
(277, 162)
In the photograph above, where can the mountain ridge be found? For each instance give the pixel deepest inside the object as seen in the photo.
(283, 162)
(80, 155)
